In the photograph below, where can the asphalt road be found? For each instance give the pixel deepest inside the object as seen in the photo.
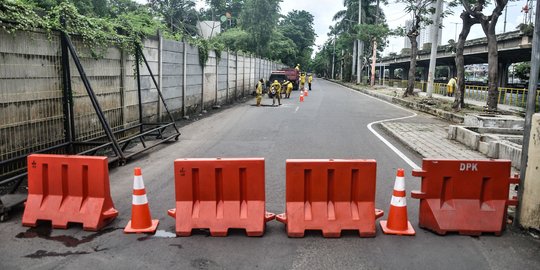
(331, 123)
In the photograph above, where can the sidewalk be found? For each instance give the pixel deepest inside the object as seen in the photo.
(426, 133)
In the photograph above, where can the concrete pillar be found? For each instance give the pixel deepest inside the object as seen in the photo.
(503, 74)
(424, 73)
(391, 73)
(452, 71)
(530, 203)
(405, 73)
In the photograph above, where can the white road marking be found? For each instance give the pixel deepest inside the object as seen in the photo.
(391, 146)
(297, 107)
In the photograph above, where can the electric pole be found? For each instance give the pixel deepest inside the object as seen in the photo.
(360, 49)
(434, 45)
(374, 57)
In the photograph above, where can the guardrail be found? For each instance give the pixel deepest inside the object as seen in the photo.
(508, 96)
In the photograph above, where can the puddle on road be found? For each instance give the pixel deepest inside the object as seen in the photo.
(158, 234)
(44, 232)
(43, 253)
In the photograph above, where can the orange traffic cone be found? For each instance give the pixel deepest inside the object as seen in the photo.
(301, 96)
(397, 217)
(141, 221)
(305, 93)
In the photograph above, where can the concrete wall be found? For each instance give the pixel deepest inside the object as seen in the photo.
(530, 203)
(31, 87)
(31, 112)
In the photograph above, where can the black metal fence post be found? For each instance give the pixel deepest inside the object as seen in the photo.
(67, 99)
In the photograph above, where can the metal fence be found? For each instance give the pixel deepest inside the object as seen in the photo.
(516, 97)
(42, 111)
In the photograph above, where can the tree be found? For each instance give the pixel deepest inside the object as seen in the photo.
(235, 39)
(180, 16)
(298, 27)
(421, 11)
(373, 34)
(97, 8)
(258, 19)
(283, 49)
(474, 10)
(523, 70)
(468, 22)
(347, 25)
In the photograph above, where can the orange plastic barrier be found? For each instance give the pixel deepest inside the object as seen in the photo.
(465, 196)
(330, 195)
(66, 189)
(220, 194)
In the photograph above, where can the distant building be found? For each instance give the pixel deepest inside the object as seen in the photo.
(208, 29)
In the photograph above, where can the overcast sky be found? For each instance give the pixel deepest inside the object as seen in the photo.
(324, 10)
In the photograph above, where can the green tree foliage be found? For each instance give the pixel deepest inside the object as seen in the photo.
(180, 16)
(96, 8)
(298, 27)
(235, 39)
(283, 48)
(126, 23)
(322, 62)
(259, 18)
(347, 32)
(522, 70)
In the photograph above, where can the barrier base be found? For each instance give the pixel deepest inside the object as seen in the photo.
(221, 231)
(31, 220)
(460, 232)
(409, 231)
(328, 232)
(151, 229)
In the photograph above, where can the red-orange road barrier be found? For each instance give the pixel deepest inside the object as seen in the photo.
(219, 194)
(330, 195)
(465, 196)
(141, 219)
(398, 222)
(66, 189)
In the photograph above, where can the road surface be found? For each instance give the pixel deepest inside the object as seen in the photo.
(331, 123)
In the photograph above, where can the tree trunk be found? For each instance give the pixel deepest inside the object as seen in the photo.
(493, 58)
(459, 101)
(412, 67)
(493, 73)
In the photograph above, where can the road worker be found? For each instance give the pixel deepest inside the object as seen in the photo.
(297, 67)
(451, 86)
(309, 80)
(289, 87)
(259, 92)
(302, 81)
(275, 88)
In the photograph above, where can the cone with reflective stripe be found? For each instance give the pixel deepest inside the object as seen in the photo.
(301, 96)
(398, 222)
(305, 92)
(141, 221)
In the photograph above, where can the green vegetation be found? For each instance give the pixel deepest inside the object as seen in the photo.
(250, 26)
(338, 50)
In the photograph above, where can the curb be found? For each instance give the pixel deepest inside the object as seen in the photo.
(452, 117)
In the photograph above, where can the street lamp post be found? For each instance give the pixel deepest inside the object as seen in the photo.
(505, 12)
(455, 30)
(334, 58)
(360, 47)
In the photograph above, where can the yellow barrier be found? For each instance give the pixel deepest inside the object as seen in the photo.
(508, 96)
